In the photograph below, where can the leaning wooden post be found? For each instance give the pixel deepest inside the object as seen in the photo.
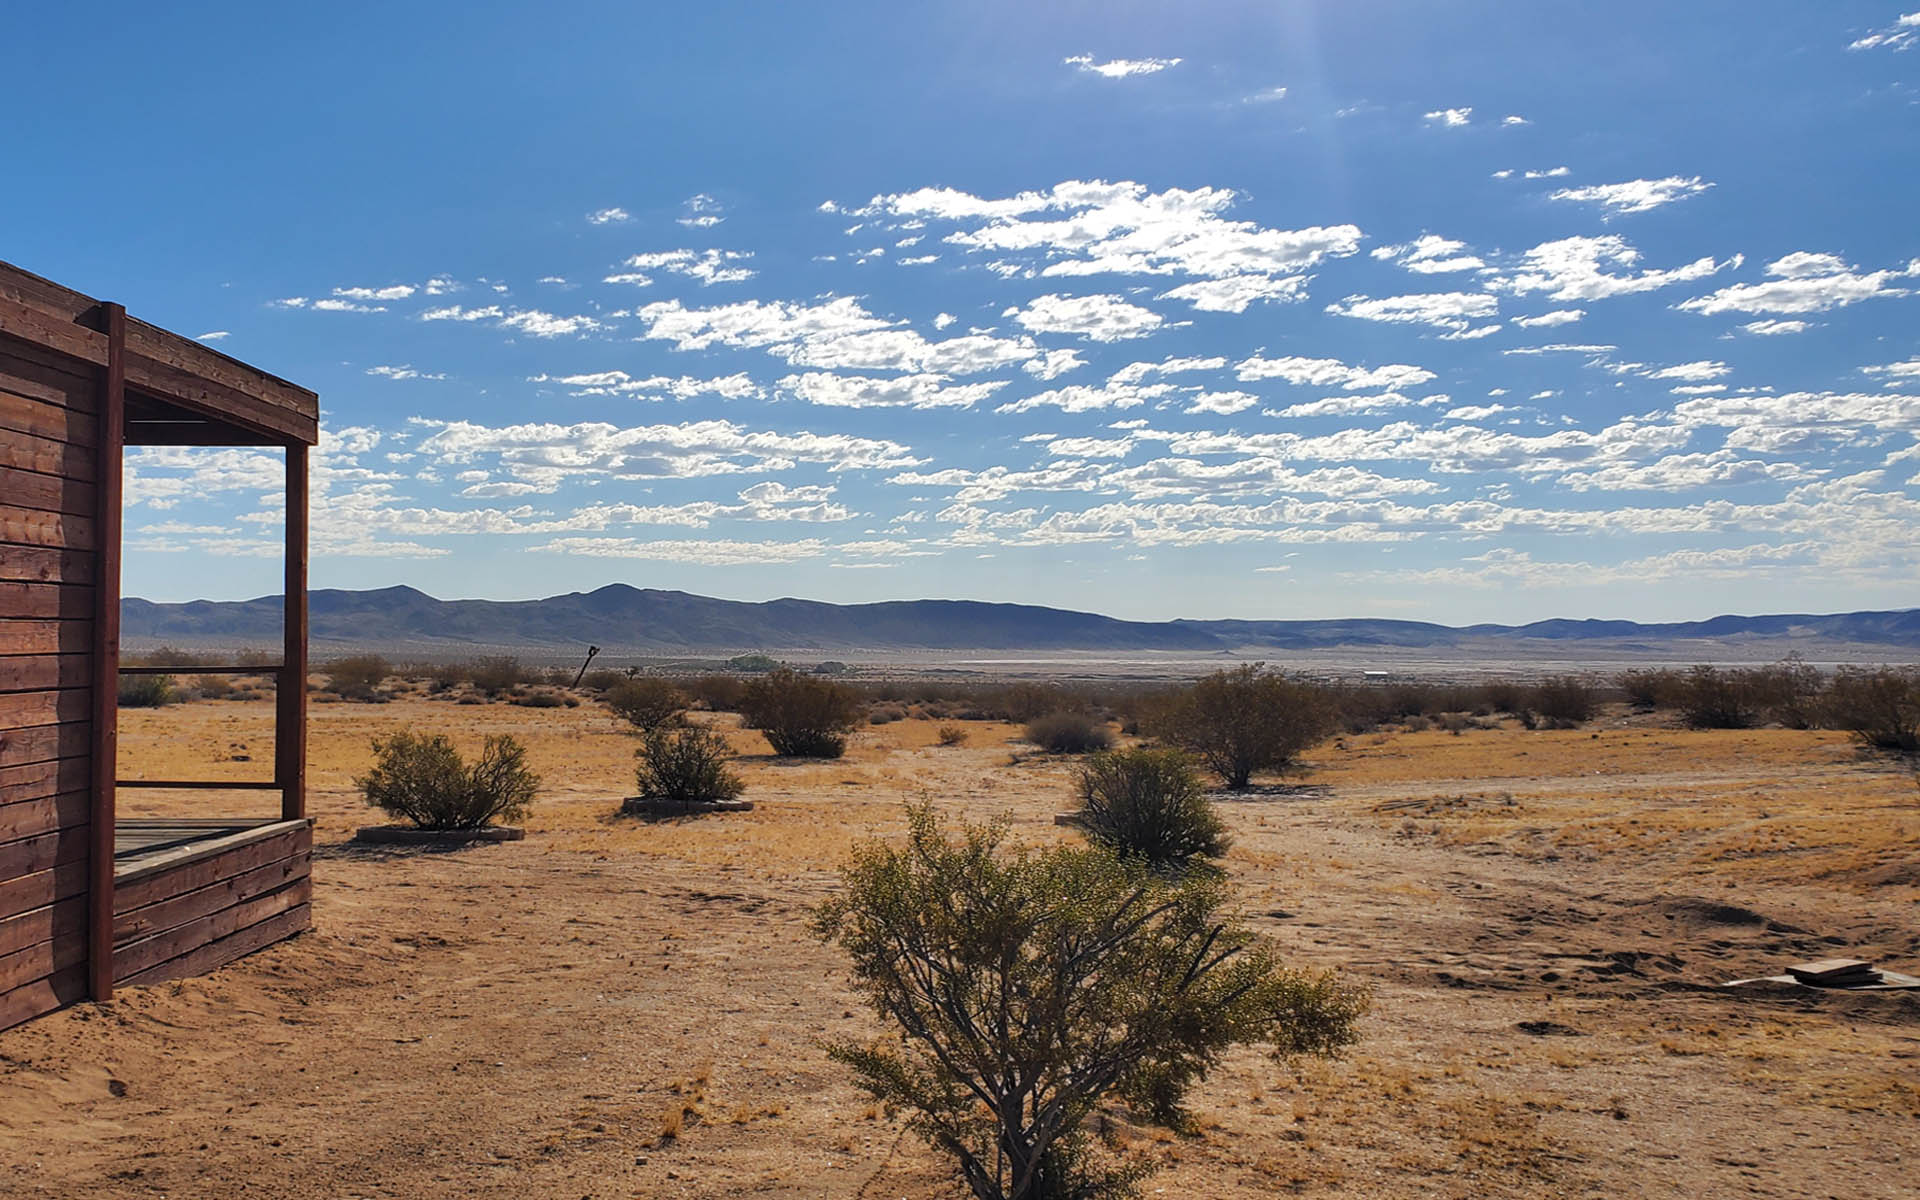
(110, 441)
(290, 718)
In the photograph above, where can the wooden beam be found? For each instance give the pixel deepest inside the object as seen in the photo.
(106, 657)
(290, 698)
(217, 785)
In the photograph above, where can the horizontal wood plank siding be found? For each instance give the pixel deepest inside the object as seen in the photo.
(37, 672)
(41, 419)
(44, 743)
(44, 564)
(65, 919)
(26, 816)
(33, 527)
(41, 889)
(36, 999)
(238, 945)
(22, 451)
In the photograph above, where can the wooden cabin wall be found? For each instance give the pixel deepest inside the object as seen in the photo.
(48, 407)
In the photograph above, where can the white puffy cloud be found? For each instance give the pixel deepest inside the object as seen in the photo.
(1331, 372)
(704, 553)
(1902, 34)
(738, 386)
(609, 216)
(1559, 316)
(403, 372)
(1804, 283)
(1450, 118)
(902, 391)
(1635, 195)
(1235, 293)
(707, 266)
(1575, 269)
(1896, 374)
(1772, 328)
(540, 452)
(1135, 372)
(1087, 398)
(1430, 255)
(1442, 310)
(1053, 363)
(1120, 68)
(1100, 318)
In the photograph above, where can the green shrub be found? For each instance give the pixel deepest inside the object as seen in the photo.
(685, 766)
(1248, 719)
(1562, 701)
(422, 779)
(802, 716)
(1030, 988)
(1149, 805)
(648, 703)
(716, 693)
(358, 677)
(212, 687)
(1879, 707)
(146, 691)
(496, 674)
(1069, 733)
(546, 700)
(755, 663)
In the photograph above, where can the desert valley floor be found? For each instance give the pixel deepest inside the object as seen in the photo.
(1542, 916)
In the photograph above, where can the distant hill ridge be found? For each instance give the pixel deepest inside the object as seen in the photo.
(621, 617)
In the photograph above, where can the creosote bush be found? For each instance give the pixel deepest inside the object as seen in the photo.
(951, 735)
(1149, 805)
(1031, 987)
(648, 703)
(802, 716)
(685, 766)
(1247, 719)
(1561, 702)
(1879, 707)
(423, 779)
(1068, 733)
(358, 677)
(146, 691)
(495, 674)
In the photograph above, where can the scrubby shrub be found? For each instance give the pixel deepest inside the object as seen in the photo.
(885, 714)
(422, 779)
(685, 766)
(546, 700)
(716, 693)
(496, 673)
(1248, 719)
(950, 735)
(1648, 688)
(1024, 702)
(1709, 698)
(1149, 805)
(1052, 982)
(212, 687)
(1069, 733)
(1562, 701)
(753, 662)
(256, 658)
(1789, 691)
(358, 677)
(604, 679)
(831, 667)
(648, 703)
(1879, 707)
(802, 716)
(146, 691)
(171, 656)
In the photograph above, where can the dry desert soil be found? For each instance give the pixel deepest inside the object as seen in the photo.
(1543, 918)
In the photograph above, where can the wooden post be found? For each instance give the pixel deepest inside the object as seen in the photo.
(110, 451)
(290, 718)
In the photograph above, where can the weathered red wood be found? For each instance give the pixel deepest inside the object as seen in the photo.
(47, 637)
(42, 888)
(43, 564)
(43, 853)
(40, 672)
(28, 452)
(210, 398)
(43, 329)
(136, 889)
(223, 894)
(27, 818)
(238, 945)
(290, 697)
(212, 785)
(35, 999)
(31, 527)
(66, 919)
(42, 419)
(167, 945)
(45, 601)
(37, 781)
(47, 493)
(23, 710)
(105, 699)
(43, 743)
(37, 962)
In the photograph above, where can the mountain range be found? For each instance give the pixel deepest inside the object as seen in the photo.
(645, 620)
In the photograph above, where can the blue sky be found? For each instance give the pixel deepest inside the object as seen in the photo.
(1450, 311)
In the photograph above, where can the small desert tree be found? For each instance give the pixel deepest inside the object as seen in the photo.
(802, 716)
(648, 703)
(1031, 987)
(1149, 805)
(1879, 707)
(358, 677)
(685, 766)
(423, 779)
(1247, 719)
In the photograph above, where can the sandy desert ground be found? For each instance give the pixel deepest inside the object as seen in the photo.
(1542, 916)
